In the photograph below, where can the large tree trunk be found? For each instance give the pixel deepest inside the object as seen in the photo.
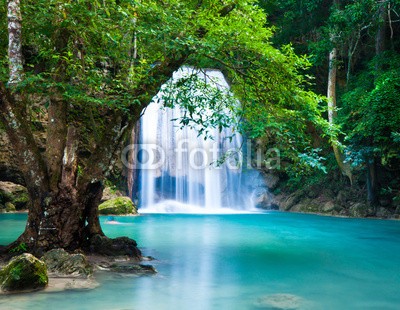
(65, 180)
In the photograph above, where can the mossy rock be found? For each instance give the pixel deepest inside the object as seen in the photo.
(24, 273)
(10, 207)
(62, 263)
(15, 194)
(118, 206)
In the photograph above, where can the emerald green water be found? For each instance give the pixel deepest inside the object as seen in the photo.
(230, 261)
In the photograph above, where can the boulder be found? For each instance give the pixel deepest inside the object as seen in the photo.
(360, 210)
(110, 193)
(263, 199)
(62, 263)
(383, 213)
(24, 273)
(271, 180)
(122, 246)
(10, 207)
(118, 206)
(328, 207)
(14, 194)
(288, 202)
(306, 205)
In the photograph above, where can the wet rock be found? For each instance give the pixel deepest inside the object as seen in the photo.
(138, 269)
(114, 247)
(24, 273)
(271, 180)
(263, 199)
(118, 206)
(279, 301)
(62, 263)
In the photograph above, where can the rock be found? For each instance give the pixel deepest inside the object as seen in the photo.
(62, 263)
(279, 301)
(311, 193)
(118, 206)
(137, 269)
(328, 206)
(110, 193)
(114, 247)
(263, 199)
(271, 180)
(360, 210)
(15, 194)
(10, 207)
(24, 273)
(341, 197)
(306, 205)
(291, 200)
(383, 212)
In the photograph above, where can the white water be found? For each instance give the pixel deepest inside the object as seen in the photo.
(178, 173)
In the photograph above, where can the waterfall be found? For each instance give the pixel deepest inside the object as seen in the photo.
(178, 171)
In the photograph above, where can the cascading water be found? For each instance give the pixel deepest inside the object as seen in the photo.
(177, 172)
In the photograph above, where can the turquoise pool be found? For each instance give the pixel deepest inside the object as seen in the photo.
(236, 261)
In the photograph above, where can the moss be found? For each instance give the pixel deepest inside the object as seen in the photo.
(21, 200)
(10, 207)
(24, 272)
(119, 205)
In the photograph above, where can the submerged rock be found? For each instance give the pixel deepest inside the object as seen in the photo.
(62, 263)
(24, 273)
(279, 301)
(118, 206)
(137, 269)
(122, 246)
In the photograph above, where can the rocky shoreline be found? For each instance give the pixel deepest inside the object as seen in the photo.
(58, 270)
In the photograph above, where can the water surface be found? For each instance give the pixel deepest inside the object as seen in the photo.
(231, 261)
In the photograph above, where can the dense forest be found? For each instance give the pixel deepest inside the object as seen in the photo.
(354, 50)
(318, 80)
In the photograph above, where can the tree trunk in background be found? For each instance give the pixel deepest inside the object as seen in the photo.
(14, 42)
(331, 94)
(380, 47)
